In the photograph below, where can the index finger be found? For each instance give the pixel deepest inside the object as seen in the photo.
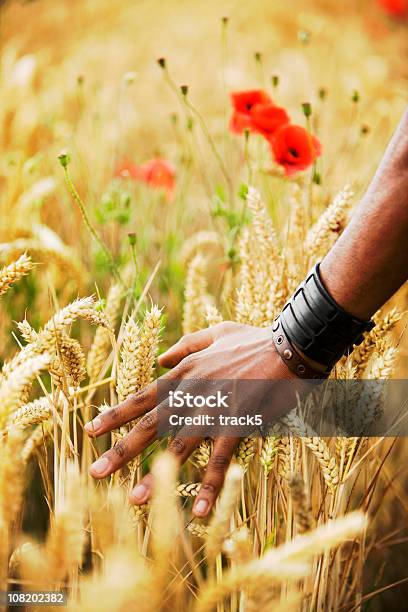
(131, 408)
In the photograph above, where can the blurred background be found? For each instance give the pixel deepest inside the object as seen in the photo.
(83, 76)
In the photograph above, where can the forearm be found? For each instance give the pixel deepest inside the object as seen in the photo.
(369, 262)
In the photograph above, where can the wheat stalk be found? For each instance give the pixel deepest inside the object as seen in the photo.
(39, 437)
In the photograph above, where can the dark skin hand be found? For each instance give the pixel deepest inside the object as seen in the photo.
(364, 268)
(225, 351)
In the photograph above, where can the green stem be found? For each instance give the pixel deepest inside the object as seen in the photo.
(138, 284)
(80, 204)
(204, 129)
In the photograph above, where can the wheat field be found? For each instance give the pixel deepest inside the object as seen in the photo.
(103, 267)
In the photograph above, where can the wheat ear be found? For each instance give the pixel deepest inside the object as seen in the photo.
(199, 241)
(330, 224)
(268, 452)
(128, 367)
(287, 562)
(195, 295)
(301, 504)
(220, 523)
(245, 452)
(14, 387)
(102, 341)
(148, 345)
(31, 414)
(13, 272)
(11, 476)
(65, 539)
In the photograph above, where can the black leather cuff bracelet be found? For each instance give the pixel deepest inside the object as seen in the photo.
(293, 359)
(317, 326)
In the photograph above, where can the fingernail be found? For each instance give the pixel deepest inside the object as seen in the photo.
(94, 425)
(101, 465)
(139, 492)
(201, 507)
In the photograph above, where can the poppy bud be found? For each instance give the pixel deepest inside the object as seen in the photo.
(322, 93)
(365, 129)
(224, 21)
(275, 80)
(317, 178)
(64, 158)
(355, 96)
(132, 239)
(162, 62)
(307, 109)
(184, 89)
(243, 191)
(100, 305)
(231, 253)
(80, 79)
(258, 56)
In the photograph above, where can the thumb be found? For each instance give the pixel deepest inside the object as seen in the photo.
(190, 343)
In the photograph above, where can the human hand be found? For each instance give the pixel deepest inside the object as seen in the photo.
(225, 352)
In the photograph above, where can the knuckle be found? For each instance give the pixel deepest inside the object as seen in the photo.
(219, 463)
(177, 446)
(208, 487)
(139, 396)
(147, 422)
(189, 362)
(114, 414)
(226, 326)
(120, 448)
(184, 340)
(177, 371)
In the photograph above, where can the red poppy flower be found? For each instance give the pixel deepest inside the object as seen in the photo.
(158, 173)
(266, 118)
(127, 170)
(294, 148)
(242, 103)
(396, 8)
(255, 111)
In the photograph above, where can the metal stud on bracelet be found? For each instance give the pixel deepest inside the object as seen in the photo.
(292, 358)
